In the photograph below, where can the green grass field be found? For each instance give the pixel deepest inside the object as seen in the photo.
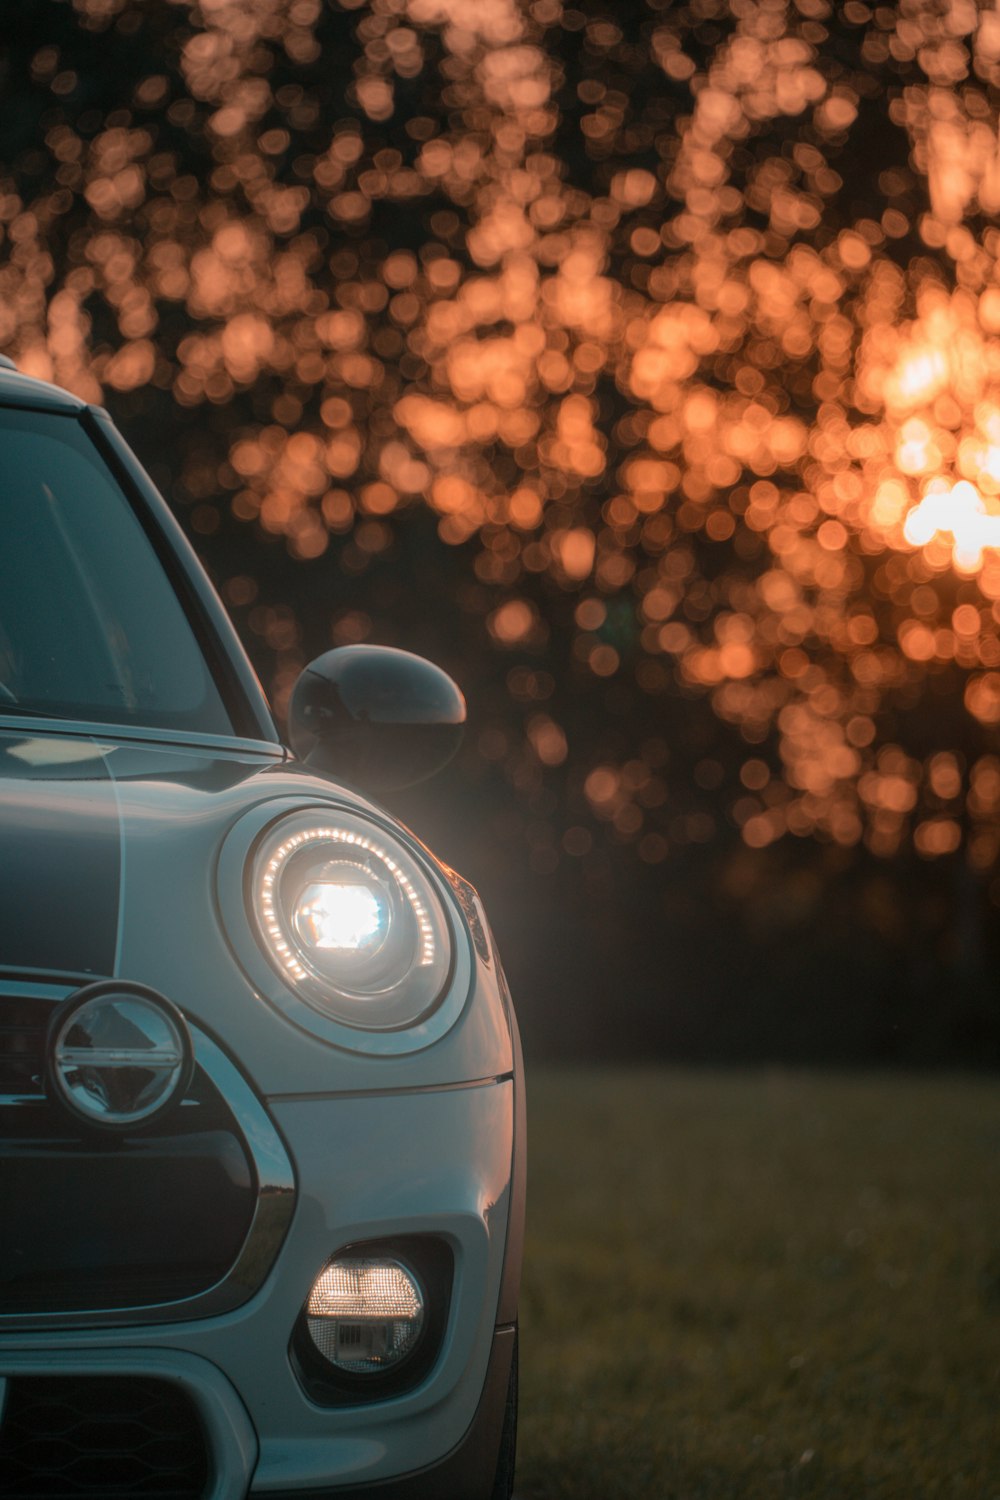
(761, 1285)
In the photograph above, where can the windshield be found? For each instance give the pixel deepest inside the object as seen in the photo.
(90, 626)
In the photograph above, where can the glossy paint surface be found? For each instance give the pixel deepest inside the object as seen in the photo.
(435, 1162)
(129, 837)
(375, 716)
(61, 866)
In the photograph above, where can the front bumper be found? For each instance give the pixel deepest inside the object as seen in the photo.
(425, 1161)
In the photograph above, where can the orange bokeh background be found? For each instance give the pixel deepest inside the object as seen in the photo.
(692, 307)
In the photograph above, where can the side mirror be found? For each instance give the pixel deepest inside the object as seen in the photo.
(375, 717)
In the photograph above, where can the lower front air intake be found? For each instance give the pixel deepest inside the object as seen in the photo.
(100, 1438)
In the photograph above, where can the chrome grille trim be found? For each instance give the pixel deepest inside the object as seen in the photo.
(272, 1213)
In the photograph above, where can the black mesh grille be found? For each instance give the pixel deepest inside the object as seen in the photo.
(23, 1023)
(105, 1437)
(120, 1223)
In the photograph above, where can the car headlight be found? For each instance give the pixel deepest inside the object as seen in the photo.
(349, 919)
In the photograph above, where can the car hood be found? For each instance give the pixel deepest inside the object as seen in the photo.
(69, 807)
(110, 867)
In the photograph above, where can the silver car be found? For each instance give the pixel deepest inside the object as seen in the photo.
(261, 1101)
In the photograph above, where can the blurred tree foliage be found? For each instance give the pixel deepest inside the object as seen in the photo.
(639, 364)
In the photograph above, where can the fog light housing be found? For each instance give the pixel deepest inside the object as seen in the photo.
(365, 1314)
(382, 1344)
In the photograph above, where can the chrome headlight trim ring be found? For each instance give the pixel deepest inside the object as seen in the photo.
(235, 881)
(350, 919)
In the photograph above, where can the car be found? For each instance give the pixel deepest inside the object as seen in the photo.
(262, 1150)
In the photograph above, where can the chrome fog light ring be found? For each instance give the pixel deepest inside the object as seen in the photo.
(428, 1266)
(118, 1056)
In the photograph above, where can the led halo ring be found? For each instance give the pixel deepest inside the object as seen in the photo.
(349, 919)
(118, 1056)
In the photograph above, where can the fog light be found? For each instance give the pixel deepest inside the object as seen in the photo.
(365, 1315)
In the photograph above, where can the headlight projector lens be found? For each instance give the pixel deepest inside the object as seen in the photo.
(350, 920)
(119, 1056)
